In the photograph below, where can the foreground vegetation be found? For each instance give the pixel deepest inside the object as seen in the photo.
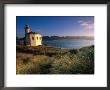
(50, 60)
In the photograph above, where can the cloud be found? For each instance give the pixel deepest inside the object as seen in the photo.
(87, 25)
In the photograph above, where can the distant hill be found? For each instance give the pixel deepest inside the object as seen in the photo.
(67, 37)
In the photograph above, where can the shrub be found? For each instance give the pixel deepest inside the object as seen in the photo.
(74, 51)
(34, 65)
(55, 61)
(45, 67)
(86, 53)
(30, 68)
(44, 63)
(62, 65)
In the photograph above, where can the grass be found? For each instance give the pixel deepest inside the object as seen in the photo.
(50, 60)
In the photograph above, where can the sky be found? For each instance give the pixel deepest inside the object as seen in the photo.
(56, 25)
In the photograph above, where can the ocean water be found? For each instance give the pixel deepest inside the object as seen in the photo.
(69, 43)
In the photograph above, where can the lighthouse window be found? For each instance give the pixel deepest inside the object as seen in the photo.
(37, 38)
(40, 38)
(32, 38)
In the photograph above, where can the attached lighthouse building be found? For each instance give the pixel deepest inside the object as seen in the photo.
(32, 38)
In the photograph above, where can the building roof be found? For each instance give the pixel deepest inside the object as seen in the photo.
(34, 33)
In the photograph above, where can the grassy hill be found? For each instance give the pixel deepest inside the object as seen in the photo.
(51, 60)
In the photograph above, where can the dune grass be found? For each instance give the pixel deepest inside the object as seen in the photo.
(50, 60)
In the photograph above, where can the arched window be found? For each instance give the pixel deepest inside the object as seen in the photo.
(32, 38)
(40, 38)
(37, 38)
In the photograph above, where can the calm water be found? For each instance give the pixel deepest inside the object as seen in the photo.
(69, 43)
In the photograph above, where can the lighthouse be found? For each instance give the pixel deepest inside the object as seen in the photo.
(32, 38)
